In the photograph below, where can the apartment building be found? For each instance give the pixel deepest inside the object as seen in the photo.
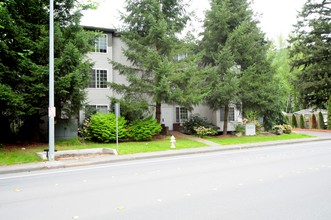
(108, 46)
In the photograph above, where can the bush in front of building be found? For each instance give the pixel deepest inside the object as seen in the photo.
(203, 131)
(278, 129)
(282, 129)
(102, 128)
(196, 121)
(287, 129)
(143, 130)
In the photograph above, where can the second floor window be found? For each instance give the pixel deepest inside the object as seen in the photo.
(101, 44)
(98, 79)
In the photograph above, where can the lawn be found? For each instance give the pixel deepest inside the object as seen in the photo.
(255, 139)
(27, 154)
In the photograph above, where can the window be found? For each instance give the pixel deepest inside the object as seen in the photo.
(181, 114)
(98, 79)
(101, 44)
(230, 115)
(92, 109)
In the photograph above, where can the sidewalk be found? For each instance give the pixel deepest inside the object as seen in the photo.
(210, 147)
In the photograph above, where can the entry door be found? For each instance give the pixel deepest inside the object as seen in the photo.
(167, 117)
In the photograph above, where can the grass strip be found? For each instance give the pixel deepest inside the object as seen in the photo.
(255, 139)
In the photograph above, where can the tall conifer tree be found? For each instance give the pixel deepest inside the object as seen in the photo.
(235, 47)
(24, 58)
(156, 75)
(310, 51)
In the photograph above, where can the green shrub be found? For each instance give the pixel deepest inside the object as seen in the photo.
(294, 121)
(278, 129)
(287, 129)
(313, 122)
(321, 120)
(102, 128)
(196, 121)
(240, 128)
(203, 131)
(302, 122)
(142, 130)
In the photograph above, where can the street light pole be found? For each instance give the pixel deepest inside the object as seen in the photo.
(51, 109)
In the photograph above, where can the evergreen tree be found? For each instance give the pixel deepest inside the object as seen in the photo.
(302, 121)
(294, 121)
(285, 74)
(235, 47)
(310, 51)
(24, 58)
(156, 75)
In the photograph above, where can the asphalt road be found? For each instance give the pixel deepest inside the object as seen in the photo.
(281, 182)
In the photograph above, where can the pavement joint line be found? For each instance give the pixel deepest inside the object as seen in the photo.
(17, 168)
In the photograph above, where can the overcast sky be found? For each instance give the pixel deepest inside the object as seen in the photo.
(276, 16)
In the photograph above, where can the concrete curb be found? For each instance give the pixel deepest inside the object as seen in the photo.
(119, 158)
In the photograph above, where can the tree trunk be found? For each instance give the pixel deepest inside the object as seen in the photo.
(225, 126)
(158, 112)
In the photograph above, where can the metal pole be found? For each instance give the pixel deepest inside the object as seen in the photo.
(51, 109)
(117, 114)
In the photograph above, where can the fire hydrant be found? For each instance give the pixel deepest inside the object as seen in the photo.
(172, 141)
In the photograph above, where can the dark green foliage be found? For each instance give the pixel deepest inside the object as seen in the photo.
(302, 122)
(196, 121)
(321, 121)
(236, 49)
(313, 122)
(143, 130)
(24, 57)
(150, 32)
(131, 108)
(294, 121)
(310, 52)
(102, 128)
(329, 114)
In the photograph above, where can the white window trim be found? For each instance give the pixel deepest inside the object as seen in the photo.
(181, 120)
(234, 114)
(95, 46)
(109, 78)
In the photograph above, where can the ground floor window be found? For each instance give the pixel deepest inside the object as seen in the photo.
(230, 115)
(181, 114)
(92, 109)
